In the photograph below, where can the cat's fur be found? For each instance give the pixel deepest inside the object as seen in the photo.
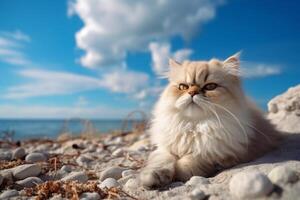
(197, 135)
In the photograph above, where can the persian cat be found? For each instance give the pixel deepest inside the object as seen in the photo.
(203, 122)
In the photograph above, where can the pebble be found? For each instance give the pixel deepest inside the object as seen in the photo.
(8, 194)
(7, 176)
(118, 153)
(109, 183)
(66, 168)
(19, 153)
(250, 185)
(197, 194)
(282, 174)
(90, 196)
(26, 170)
(128, 172)
(112, 172)
(35, 157)
(29, 182)
(83, 160)
(132, 183)
(197, 180)
(76, 176)
(5, 155)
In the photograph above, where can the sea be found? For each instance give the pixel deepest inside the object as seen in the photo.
(20, 129)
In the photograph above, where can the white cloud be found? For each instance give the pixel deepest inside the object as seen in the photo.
(11, 44)
(161, 52)
(256, 70)
(81, 101)
(48, 83)
(112, 28)
(36, 111)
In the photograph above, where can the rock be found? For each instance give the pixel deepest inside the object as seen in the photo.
(90, 196)
(7, 176)
(132, 183)
(57, 197)
(9, 194)
(109, 183)
(29, 182)
(176, 184)
(19, 153)
(118, 153)
(284, 110)
(76, 176)
(128, 172)
(250, 185)
(35, 157)
(1, 179)
(66, 168)
(5, 155)
(112, 172)
(282, 174)
(196, 180)
(197, 194)
(26, 170)
(83, 160)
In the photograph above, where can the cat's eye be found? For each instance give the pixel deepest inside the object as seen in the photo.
(183, 86)
(210, 86)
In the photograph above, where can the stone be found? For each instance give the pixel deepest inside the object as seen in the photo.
(90, 196)
(66, 168)
(282, 174)
(196, 180)
(76, 176)
(118, 153)
(251, 184)
(26, 170)
(35, 157)
(128, 172)
(7, 176)
(19, 153)
(112, 172)
(132, 183)
(29, 182)
(109, 183)
(83, 160)
(5, 155)
(1, 179)
(197, 194)
(9, 194)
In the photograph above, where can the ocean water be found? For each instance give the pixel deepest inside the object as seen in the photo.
(42, 128)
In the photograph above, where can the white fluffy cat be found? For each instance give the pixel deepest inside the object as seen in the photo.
(203, 121)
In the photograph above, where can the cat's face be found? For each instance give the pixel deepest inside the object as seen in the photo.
(197, 87)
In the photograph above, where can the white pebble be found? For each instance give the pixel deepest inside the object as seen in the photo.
(197, 180)
(5, 155)
(26, 170)
(128, 172)
(282, 174)
(90, 196)
(113, 172)
(109, 183)
(118, 153)
(35, 157)
(9, 194)
(250, 185)
(76, 176)
(19, 153)
(132, 183)
(29, 182)
(66, 168)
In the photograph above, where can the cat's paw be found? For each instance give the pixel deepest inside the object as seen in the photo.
(156, 178)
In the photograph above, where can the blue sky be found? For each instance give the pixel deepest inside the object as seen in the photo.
(101, 59)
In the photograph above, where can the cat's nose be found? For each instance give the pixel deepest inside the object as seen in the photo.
(193, 92)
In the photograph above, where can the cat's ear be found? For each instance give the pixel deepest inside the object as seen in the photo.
(173, 63)
(232, 64)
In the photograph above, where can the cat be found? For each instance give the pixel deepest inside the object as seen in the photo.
(203, 122)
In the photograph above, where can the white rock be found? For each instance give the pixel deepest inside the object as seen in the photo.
(128, 172)
(5, 155)
(29, 182)
(197, 194)
(112, 172)
(7, 176)
(27, 170)
(90, 196)
(66, 168)
(19, 153)
(76, 176)
(282, 174)
(109, 183)
(196, 180)
(118, 153)
(35, 157)
(250, 185)
(132, 183)
(83, 160)
(9, 194)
